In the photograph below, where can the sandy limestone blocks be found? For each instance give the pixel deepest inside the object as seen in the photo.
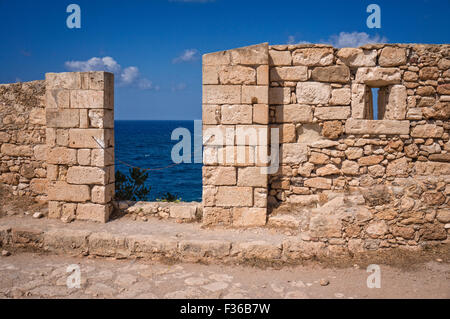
(80, 142)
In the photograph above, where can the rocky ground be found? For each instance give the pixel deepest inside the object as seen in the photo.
(31, 275)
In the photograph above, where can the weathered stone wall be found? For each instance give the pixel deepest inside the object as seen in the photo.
(80, 140)
(22, 138)
(345, 179)
(235, 118)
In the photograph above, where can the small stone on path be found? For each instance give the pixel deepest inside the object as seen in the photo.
(324, 282)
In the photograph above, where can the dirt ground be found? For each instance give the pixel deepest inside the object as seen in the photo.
(31, 275)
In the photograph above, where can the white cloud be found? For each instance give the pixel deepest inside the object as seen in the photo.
(187, 56)
(354, 39)
(128, 76)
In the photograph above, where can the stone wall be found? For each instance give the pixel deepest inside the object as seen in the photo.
(235, 119)
(22, 138)
(80, 141)
(345, 179)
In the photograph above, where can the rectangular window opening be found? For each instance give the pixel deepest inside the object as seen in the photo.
(376, 99)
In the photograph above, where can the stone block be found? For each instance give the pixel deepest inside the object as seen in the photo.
(250, 55)
(221, 94)
(181, 211)
(262, 75)
(332, 129)
(62, 155)
(216, 58)
(252, 176)
(61, 191)
(396, 103)
(289, 73)
(65, 80)
(216, 216)
(249, 216)
(389, 127)
(54, 209)
(328, 169)
(16, 150)
(318, 182)
(236, 114)
(279, 95)
(101, 118)
(99, 80)
(293, 153)
(40, 152)
(392, 56)
(211, 114)
(87, 99)
(218, 175)
(199, 249)
(332, 113)
(260, 197)
(57, 98)
(358, 100)
(255, 94)
(293, 113)
(280, 57)
(260, 114)
(39, 185)
(313, 56)
(91, 138)
(334, 74)
(350, 168)
(340, 96)
(313, 93)
(102, 194)
(237, 74)
(84, 157)
(232, 196)
(102, 157)
(86, 175)
(287, 133)
(210, 74)
(63, 118)
(356, 57)
(370, 160)
(93, 212)
(259, 250)
(427, 131)
(378, 76)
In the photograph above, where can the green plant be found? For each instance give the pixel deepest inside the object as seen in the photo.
(168, 197)
(132, 187)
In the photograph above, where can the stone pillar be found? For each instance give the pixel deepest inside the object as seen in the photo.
(235, 136)
(80, 140)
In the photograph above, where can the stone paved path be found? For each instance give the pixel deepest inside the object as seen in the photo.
(27, 275)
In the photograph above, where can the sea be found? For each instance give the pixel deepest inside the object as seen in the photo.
(148, 144)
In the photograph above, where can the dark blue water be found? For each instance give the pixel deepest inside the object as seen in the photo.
(147, 144)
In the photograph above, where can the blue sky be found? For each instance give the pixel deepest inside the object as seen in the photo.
(155, 46)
